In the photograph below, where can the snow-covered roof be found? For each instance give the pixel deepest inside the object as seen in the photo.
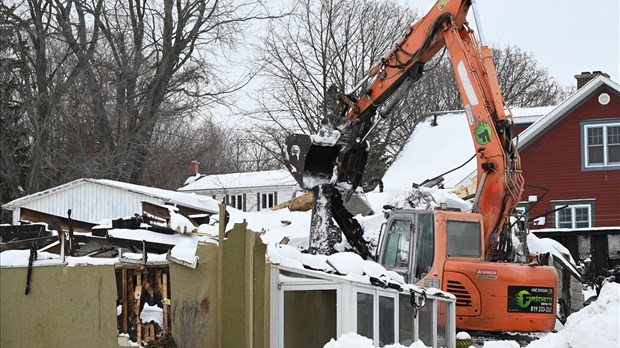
(539, 127)
(266, 178)
(525, 116)
(190, 200)
(433, 150)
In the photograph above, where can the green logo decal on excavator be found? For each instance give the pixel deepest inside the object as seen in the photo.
(530, 299)
(523, 299)
(483, 133)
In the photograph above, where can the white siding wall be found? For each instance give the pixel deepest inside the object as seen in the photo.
(91, 202)
(283, 194)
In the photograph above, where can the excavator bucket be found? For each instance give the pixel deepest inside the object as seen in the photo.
(316, 160)
(319, 164)
(322, 160)
(311, 164)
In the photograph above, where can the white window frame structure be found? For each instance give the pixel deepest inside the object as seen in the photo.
(292, 279)
(585, 161)
(573, 206)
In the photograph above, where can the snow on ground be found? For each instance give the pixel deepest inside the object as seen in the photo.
(351, 340)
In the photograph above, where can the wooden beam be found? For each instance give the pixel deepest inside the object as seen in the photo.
(166, 301)
(37, 216)
(301, 203)
(124, 292)
(27, 243)
(138, 292)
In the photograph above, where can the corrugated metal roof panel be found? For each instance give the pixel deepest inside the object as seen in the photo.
(92, 200)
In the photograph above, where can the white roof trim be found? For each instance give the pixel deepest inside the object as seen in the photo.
(532, 132)
(241, 181)
(17, 202)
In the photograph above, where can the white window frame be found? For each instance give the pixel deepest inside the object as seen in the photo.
(573, 206)
(376, 293)
(375, 308)
(238, 200)
(585, 126)
(395, 320)
(264, 200)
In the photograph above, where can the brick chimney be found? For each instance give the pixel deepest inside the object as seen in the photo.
(193, 168)
(586, 76)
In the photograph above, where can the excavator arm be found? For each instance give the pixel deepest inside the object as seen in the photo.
(338, 154)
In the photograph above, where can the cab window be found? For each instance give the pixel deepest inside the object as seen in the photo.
(425, 245)
(398, 238)
(464, 238)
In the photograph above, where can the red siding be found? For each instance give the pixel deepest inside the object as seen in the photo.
(518, 128)
(554, 161)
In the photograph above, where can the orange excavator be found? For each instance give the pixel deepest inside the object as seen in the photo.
(468, 254)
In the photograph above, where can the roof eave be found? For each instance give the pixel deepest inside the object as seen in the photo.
(16, 203)
(530, 134)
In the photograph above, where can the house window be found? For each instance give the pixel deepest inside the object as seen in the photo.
(573, 214)
(268, 200)
(520, 213)
(601, 145)
(236, 201)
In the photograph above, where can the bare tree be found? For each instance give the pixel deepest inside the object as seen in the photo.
(95, 86)
(322, 49)
(42, 77)
(14, 138)
(523, 82)
(161, 56)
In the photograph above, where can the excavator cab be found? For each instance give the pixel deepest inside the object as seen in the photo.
(443, 249)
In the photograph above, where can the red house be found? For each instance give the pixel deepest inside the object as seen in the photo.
(571, 164)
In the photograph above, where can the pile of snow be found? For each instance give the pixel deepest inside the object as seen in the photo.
(180, 223)
(19, 258)
(152, 314)
(350, 266)
(596, 325)
(547, 245)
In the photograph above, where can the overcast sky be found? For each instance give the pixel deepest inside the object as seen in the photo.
(565, 36)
